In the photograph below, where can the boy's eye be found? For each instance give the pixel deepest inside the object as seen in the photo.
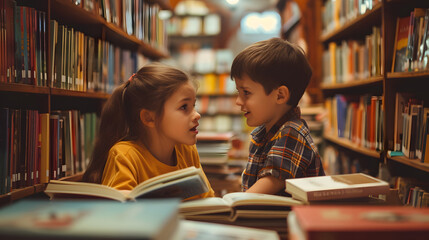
(246, 92)
(184, 107)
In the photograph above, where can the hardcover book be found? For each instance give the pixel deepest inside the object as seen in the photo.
(358, 222)
(36, 219)
(238, 205)
(183, 183)
(335, 187)
(189, 230)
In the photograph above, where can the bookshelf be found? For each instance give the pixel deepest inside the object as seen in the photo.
(42, 96)
(387, 84)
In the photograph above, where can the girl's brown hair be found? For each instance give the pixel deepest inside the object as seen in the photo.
(148, 89)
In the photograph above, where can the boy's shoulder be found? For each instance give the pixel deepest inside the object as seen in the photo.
(294, 126)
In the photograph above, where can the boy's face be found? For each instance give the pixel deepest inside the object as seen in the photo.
(180, 120)
(258, 107)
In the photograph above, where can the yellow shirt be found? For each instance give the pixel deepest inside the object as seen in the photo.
(129, 164)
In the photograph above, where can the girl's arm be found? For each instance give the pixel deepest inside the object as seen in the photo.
(267, 185)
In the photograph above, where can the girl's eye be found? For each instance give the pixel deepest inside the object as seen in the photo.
(246, 92)
(184, 107)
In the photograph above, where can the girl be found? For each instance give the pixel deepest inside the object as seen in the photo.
(148, 127)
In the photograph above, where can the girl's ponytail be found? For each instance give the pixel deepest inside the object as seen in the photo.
(112, 128)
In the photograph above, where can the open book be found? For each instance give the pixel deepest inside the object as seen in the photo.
(183, 183)
(238, 205)
(335, 187)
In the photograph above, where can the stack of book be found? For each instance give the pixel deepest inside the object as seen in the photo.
(213, 147)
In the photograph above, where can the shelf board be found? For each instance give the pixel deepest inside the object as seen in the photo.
(415, 163)
(70, 93)
(23, 88)
(353, 84)
(351, 27)
(117, 35)
(407, 75)
(352, 146)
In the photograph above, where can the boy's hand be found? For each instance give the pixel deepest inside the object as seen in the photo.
(267, 185)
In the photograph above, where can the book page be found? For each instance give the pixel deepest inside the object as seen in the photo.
(242, 198)
(184, 187)
(204, 205)
(166, 178)
(82, 188)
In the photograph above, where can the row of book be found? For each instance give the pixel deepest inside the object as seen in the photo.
(136, 17)
(213, 84)
(204, 60)
(336, 13)
(208, 25)
(411, 42)
(23, 44)
(356, 118)
(78, 62)
(353, 59)
(37, 147)
(82, 63)
(217, 105)
(213, 147)
(412, 192)
(411, 127)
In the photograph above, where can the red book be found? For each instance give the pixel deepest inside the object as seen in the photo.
(358, 222)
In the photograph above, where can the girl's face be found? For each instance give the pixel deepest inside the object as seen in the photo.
(180, 119)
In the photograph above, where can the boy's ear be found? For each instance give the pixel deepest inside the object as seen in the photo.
(147, 118)
(283, 94)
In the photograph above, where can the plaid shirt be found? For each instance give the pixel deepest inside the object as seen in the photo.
(286, 151)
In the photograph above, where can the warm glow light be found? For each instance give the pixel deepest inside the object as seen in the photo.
(255, 23)
(232, 2)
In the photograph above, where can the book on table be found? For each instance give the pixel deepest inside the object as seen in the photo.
(233, 206)
(358, 222)
(89, 219)
(335, 187)
(183, 183)
(189, 230)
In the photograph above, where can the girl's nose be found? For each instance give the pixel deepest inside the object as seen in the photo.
(238, 101)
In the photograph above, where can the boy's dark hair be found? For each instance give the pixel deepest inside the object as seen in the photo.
(273, 63)
(148, 89)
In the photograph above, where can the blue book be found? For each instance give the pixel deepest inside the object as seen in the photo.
(37, 219)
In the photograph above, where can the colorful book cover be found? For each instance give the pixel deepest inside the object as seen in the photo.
(359, 222)
(145, 219)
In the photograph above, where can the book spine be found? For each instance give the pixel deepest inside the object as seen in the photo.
(344, 193)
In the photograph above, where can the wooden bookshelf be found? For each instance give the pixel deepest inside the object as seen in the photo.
(49, 99)
(384, 15)
(352, 146)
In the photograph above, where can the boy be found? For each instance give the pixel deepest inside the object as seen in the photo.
(271, 77)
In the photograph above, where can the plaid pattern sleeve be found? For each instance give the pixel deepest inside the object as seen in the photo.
(290, 153)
